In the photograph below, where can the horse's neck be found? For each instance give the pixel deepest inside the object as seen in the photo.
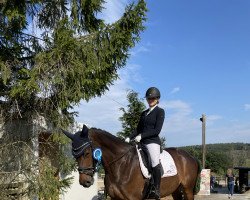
(112, 148)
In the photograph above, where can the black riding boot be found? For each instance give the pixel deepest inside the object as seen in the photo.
(155, 193)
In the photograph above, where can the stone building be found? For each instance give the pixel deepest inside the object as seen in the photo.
(23, 143)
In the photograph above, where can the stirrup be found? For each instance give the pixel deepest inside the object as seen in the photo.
(153, 194)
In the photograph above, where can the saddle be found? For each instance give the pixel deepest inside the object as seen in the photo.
(168, 167)
(146, 159)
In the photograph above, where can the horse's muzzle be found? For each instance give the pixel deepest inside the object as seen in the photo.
(87, 183)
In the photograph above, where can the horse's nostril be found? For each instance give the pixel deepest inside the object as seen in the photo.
(86, 184)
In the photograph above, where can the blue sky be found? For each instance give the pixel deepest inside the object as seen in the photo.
(197, 53)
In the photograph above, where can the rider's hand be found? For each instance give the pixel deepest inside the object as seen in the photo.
(127, 140)
(138, 138)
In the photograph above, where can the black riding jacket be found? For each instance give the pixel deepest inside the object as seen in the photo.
(150, 126)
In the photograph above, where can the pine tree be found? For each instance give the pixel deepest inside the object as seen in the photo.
(131, 115)
(76, 57)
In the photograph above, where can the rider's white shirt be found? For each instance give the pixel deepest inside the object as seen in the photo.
(151, 109)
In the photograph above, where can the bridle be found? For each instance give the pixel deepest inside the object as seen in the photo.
(78, 152)
(90, 171)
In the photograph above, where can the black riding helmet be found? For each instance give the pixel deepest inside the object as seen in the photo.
(153, 92)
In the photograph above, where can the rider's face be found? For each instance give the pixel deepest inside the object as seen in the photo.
(152, 101)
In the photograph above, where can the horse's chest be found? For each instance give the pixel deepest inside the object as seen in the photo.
(112, 189)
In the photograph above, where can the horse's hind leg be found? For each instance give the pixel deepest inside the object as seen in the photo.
(178, 194)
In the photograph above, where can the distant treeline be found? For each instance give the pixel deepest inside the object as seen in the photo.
(221, 156)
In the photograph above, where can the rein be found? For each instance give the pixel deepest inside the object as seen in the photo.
(90, 171)
(115, 160)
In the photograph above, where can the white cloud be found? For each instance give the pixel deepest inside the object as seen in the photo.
(178, 105)
(213, 117)
(175, 90)
(139, 49)
(180, 126)
(104, 112)
(247, 107)
(113, 10)
(211, 120)
(235, 132)
(142, 48)
(131, 73)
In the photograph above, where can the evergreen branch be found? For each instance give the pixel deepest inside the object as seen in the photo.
(18, 109)
(32, 36)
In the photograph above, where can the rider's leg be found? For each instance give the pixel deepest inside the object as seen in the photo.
(157, 179)
(154, 152)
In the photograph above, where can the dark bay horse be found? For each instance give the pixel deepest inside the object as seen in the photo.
(123, 177)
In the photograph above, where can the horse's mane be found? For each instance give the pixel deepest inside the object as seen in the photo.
(108, 135)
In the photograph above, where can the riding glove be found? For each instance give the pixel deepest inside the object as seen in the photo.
(138, 138)
(127, 140)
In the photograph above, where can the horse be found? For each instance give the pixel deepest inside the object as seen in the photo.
(123, 177)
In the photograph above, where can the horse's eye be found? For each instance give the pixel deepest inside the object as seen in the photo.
(86, 154)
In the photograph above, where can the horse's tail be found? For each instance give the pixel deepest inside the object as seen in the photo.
(198, 179)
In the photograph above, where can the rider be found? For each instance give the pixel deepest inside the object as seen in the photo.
(147, 132)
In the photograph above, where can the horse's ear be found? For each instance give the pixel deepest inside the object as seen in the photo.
(85, 131)
(68, 134)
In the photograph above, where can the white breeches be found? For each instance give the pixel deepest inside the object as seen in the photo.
(154, 152)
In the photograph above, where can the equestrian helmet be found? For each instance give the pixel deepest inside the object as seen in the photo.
(153, 92)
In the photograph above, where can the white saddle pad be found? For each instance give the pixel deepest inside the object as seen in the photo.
(167, 162)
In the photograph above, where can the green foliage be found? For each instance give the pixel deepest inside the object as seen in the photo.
(247, 162)
(5, 72)
(163, 142)
(65, 162)
(49, 184)
(76, 58)
(131, 116)
(220, 157)
(217, 162)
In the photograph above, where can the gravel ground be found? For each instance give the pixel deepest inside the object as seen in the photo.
(221, 195)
